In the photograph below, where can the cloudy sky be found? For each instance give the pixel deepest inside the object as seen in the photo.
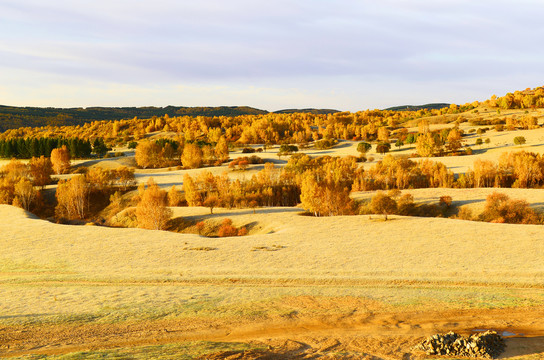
(274, 54)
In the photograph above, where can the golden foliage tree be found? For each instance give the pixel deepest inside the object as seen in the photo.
(41, 170)
(383, 204)
(222, 149)
(426, 145)
(148, 154)
(151, 210)
(60, 158)
(191, 157)
(72, 198)
(25, 193)
(174, 197)
(454, 140)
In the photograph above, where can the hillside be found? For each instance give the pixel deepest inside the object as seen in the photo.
(436, 106)
(12, 117)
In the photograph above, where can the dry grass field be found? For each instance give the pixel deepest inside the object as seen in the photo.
(355, 287)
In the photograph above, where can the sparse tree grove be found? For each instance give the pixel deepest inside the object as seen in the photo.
(321, 185)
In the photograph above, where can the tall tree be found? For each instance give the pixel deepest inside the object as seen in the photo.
(60, 158)
(151, 211)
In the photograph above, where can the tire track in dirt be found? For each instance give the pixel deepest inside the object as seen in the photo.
(381, 335)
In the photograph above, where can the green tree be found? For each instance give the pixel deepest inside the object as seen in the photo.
(519, 140)
(363, 147)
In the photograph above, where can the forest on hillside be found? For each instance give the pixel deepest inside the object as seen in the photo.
(12, 117)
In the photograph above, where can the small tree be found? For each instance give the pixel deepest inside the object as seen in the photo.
(519, 140)
(363, 147)
(383, 147)
(174, 197)
(479, 142)
(383, 204)
(399, 143)
(211, 202)
(411, 138)
(445, 201)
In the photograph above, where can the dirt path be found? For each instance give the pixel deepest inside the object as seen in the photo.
(368, 336)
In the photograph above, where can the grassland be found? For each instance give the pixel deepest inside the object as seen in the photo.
(337, 287)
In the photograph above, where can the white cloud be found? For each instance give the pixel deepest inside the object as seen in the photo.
(364, 52)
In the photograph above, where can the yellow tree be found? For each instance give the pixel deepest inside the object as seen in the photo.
(454, 140)
(25, 193)
(426, 145)
(383, 134)
(41, 170)
(151, 210)
(192, 195)
(60, 158)
(192, 156)
(148, 154)
(174, 197)
(72, 198)
(222, 149)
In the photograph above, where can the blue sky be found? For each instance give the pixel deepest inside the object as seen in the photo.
(343, 54)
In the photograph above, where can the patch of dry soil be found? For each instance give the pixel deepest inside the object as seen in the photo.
(366, 335)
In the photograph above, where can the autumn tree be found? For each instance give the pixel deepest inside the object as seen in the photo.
(501, 209)
(148, 154)
(485, 172)
(454, 140)
(383, 204)
(25, 193)
(191, 157)
(222, 149)
(60, 159)
(426, 145)
(192, 195)
(383, 134)
(72, 198)
(383, 147)
(151, 210)
(174, 197)
(125, 177)
(41, 170)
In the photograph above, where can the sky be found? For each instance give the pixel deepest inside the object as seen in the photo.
(348, 55)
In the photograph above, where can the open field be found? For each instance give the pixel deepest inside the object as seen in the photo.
(298, 278)
(296, 287)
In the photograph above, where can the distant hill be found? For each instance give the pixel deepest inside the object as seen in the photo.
(12, 117)
(418, 107)
(307, 111)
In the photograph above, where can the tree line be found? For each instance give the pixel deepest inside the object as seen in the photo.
(26, 148)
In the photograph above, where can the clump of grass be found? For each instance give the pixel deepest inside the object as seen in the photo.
(183, 351)
(200, 248)
(268, 248)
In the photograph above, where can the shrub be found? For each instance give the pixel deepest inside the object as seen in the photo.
(363, 147)
(248, 150)
(324, 144)
(445, 201)
(226, 229)
(519, 140)
(500, 208)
